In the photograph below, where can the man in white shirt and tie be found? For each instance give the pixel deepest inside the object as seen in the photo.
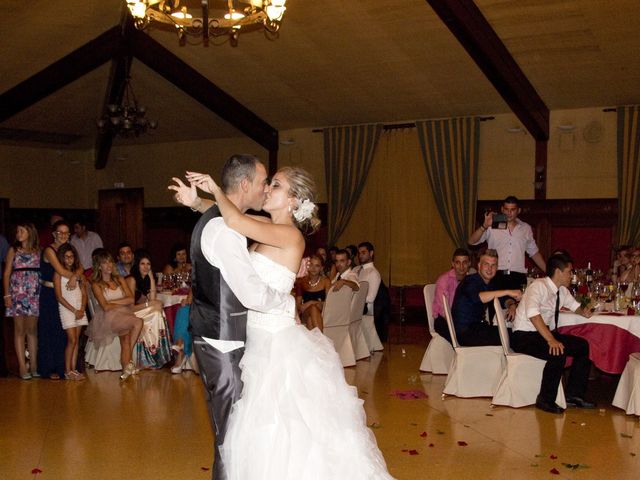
(535, 333)
(346, 276)
(367, 272)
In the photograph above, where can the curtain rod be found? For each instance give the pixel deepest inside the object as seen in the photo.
(397, 126)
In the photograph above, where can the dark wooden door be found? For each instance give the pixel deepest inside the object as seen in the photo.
(120, 217)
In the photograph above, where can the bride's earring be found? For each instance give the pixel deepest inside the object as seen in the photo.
(289, 208)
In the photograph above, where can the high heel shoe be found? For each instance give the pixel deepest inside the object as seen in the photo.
(129, 370)
(178, 368)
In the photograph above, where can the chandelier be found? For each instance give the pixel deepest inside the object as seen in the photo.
(128, 118)
(219, 19)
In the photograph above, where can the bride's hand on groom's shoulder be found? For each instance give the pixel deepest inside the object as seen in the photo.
(203, 181)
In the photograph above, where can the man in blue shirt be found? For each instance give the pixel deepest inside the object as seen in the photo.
(473, 295)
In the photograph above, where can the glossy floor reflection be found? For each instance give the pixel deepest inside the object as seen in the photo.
(155, 426)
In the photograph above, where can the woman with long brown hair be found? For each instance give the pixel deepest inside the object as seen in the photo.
(115, 316)
(21, 284)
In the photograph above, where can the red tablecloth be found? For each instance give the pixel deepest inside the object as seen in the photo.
(611, 338)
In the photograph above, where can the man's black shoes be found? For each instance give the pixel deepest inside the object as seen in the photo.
(547, 406)
(577, 402)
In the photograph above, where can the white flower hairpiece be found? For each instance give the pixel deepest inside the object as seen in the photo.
(304, 210)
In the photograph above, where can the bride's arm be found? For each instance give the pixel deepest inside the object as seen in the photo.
(281, 236)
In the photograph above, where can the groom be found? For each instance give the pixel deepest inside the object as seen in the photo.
(225, 285)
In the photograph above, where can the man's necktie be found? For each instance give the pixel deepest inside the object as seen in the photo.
(557, 312)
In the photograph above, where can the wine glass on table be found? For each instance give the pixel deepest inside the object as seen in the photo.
(635, 294)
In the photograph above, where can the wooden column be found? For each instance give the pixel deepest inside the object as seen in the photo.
(540, 171)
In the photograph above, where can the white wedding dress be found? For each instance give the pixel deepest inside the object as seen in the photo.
(297, 418)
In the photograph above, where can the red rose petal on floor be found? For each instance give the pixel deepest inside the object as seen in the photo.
(206, 469)
(462, 444)
(36, 471)
(423, 434)
(413, 452)
(554, 471)
(553, 457)
(404, 450)
(431, 445)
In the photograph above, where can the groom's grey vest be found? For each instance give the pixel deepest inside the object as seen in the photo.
(215, 310)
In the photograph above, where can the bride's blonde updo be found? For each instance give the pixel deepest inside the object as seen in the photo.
(303, 188)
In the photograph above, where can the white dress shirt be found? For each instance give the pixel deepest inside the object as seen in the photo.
(511, 245)
(85, 247)
(226, 250)
(540, 299)
(367, 272)
(348, 274)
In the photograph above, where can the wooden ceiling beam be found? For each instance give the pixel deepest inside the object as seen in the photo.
(475, 34)
(198, 87)
(61, 73)
(120, 65)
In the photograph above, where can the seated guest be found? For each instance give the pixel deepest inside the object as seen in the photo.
(470, 302)
(328, 262)
(179, 262)
(632, 272)
(447, 284)
(311, 292)
(345, 276)
(353, 254)
(153, 349)
(125, 259)
(115, 316)
(534, 333)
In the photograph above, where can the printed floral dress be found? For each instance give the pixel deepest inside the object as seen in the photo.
(24, 285)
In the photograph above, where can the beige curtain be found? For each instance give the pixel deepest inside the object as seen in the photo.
(348, 153)
(450, 151)
(629, 175)
(397, 213)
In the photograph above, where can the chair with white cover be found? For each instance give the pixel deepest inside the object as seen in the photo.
(627, 395)
(475, 371)
(105, 357)
(521, 379)
(335, 318)
(370, 333)
(360, 347)
(439, 355)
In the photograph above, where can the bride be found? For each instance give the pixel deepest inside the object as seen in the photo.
(297, 417)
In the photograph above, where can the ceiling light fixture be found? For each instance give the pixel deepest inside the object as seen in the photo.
(234, 16)
(128, 118)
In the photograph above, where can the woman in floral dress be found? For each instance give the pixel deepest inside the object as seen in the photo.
(21, 281)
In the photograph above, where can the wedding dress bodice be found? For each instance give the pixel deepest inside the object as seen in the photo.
(279, 278)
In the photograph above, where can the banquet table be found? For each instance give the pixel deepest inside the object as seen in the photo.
(171, 303)
(611, 336)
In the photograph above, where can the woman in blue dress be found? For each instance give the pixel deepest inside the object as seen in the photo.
(52, 339)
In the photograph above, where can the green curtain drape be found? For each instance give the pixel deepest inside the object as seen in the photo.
(348, 153)
(629, 175)
(450, 153)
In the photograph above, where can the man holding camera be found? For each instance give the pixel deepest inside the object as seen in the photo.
(511, 238)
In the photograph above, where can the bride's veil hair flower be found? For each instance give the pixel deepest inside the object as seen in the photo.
(303, 189)
(304, 211)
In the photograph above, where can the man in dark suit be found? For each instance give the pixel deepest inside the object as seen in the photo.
(225, 285)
